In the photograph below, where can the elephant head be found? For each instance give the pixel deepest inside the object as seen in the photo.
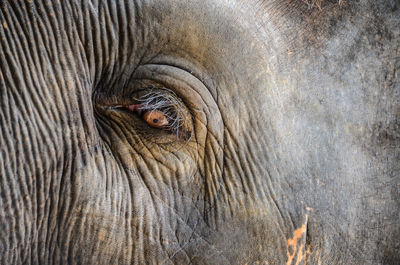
(199, 132)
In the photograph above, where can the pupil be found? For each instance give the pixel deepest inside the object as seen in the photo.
(155, 120)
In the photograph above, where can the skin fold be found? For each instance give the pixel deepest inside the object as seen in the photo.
(280, 143)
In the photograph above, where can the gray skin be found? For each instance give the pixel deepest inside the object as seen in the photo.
(292, 109)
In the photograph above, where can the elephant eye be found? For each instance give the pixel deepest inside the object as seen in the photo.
(160, 108)
(155, 118)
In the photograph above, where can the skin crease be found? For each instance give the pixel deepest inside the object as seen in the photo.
(294, 119)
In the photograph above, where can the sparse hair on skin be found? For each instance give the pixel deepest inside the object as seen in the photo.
(318, 4)
(313, 3)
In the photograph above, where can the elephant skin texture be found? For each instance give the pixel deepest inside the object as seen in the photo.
(200, 132)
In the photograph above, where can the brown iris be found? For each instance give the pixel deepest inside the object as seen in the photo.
(155, 118)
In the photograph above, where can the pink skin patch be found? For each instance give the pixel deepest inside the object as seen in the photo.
(134, 107)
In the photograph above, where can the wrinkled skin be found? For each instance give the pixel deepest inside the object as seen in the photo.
(293, 113)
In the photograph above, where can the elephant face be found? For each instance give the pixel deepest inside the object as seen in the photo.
(199, 132)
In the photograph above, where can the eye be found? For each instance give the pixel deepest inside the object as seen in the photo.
(155, 118)
(161, 109)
